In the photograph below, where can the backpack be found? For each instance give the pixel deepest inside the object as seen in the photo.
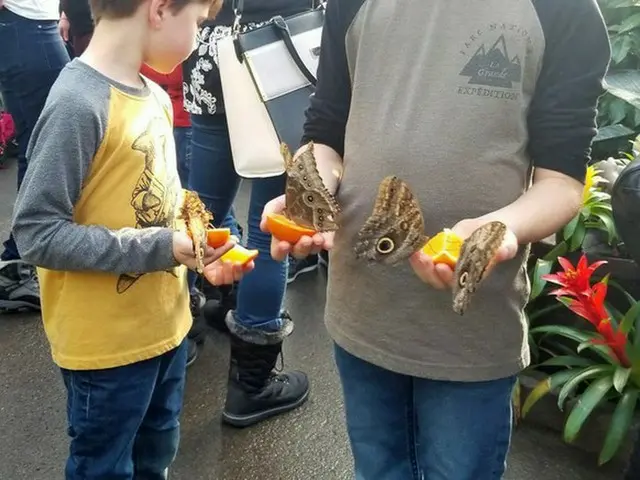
(625, 204)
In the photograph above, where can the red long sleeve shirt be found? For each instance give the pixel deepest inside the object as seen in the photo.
(172, 83)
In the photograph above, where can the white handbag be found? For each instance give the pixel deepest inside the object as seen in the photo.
(267, 76)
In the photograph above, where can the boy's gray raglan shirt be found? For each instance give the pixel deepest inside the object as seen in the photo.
(461, 99)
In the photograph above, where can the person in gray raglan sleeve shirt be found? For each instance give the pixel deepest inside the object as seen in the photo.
(462, 100)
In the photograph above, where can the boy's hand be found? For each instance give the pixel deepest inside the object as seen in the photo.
(222, 272)
(440, 276)
(184, 254)
(304, 247)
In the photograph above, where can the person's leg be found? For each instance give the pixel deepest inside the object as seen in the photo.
(212, 176)
(254, 393)
(258, 327)
(464, 429)
(182, 137)
(156, 444)
(380, 419)
(105, 410)
(31, 57)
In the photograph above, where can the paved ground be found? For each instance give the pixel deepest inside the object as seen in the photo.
(307, 444)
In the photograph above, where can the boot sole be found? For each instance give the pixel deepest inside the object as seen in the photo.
(242, 421)
(18, 306)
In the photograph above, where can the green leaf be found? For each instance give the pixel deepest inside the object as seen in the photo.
(578, 236)
(543, 267)
(609, 226)
(630, 318)
(611, 132)
(578, 336)
(557, 251)
(620, 378)
(581, 376)
(566, 361)
(590, 399)
(630, 23)
(570, 227)
(619, 427)
(624, 84)
(544, 387)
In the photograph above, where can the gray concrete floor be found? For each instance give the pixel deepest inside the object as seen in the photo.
(306, 444)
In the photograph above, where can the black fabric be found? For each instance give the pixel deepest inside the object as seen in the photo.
(562, 117)
(79, 14)
(625, 202)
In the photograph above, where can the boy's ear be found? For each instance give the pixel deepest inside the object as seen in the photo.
(158, 9)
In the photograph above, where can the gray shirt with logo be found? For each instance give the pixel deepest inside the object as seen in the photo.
(461, 99)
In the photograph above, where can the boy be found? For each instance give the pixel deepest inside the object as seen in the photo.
(487, 109)
(98, 216)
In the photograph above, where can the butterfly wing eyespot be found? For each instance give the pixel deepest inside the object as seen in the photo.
(385, 245)
(462, 281)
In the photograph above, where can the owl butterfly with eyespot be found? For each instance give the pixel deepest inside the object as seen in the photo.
(308, 202)
(395, 231)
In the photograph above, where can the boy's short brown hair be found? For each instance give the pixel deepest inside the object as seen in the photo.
(126, 8)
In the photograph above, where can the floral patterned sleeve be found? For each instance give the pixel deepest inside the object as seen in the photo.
(201, 85)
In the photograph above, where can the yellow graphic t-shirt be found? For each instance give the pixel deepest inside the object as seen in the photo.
(99, 210)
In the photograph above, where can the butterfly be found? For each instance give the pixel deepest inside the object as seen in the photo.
(308, 202)
(395, 231)
(197, 219)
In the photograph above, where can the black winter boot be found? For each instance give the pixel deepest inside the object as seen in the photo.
(198, 330)
(255, 391)
(215, 311)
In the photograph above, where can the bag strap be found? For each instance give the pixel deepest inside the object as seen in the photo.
(238, 9)
(282, 28)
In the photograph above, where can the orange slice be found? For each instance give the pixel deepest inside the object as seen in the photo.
(239, 254)
(284, 229)
(444, 247)
(217, 237)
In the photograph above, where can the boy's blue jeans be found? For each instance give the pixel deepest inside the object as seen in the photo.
(32, 55)
(408, 428)
(123, 422)
(212, 175)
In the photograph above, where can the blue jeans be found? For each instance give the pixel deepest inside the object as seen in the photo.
(260, 293)
(123, 422)
(31, 57)
(182, 137)
(404, 428)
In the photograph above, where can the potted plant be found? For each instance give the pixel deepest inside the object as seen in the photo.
(610, 375)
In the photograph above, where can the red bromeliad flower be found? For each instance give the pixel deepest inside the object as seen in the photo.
(615, 340)
(588, 302)
(575, 281)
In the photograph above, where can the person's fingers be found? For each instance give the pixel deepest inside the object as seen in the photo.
(279, 249)
(304, 246)
(425, 269)
(444, 273)
(277, 205)
(213, 254)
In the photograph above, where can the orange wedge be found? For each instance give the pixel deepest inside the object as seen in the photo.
(284, 229)
(239, 254)
(217, 237)
(444, 247)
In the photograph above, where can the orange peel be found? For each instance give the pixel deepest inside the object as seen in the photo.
(284, 229)
(444, 247)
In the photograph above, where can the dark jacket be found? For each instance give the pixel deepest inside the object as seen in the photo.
(203, 90)
(79, 14)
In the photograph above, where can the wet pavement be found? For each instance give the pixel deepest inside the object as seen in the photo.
(309, 443)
